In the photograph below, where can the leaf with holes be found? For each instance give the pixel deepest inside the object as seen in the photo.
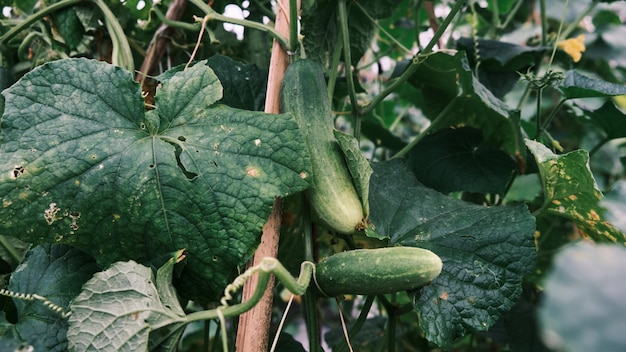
(56, 272)
(485, 251)
(570, 191)
(83, 163)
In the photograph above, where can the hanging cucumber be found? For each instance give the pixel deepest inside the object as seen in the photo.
(333, 198)
(377, 271)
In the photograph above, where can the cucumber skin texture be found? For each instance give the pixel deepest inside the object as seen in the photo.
(377, 271)
(333, 198)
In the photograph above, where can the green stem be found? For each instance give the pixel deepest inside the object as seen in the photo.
(433, 126)
(214, 16)
(347, 58)
(512, 13)
(293, 25)
(417, 59)
(309, 299)
(574, 24)
(539, 123)
(36, 17)
(391, 331)
(598, 146)
(358, 324)
(380, 28)
(265, 268)
(334, 68)
(122, 55)
(547, 122)
(174, 24)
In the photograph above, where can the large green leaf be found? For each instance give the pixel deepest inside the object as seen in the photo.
(122, 309)
(453, 160)
(583, 306)
(485, 251)
(456, 98)
(570, 191)
(576, 86)
(84, 164)
(56, 272)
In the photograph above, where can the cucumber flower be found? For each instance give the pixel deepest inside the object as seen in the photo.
(573, 47)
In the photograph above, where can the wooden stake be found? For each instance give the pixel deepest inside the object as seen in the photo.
(253, 331)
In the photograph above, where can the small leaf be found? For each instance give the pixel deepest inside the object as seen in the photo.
(485, 251)
(577, 86)
(359, 167)
(119, 309)
(453, 160)
(583, 306)
(69, 26)
(57, 273)
(570, 191)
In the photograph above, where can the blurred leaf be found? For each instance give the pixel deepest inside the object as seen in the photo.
(84, 164)
(583, 306)
(56, 272)
(123, 308)
(577, 86)
(570, 191)
(615, 204)
(244, 85)
(610, 119)
(69, 26)
(452, 160)
(525, 188)
(485, 251)
(501, 55)
(499, 63)
(321, 32)
(359, 167)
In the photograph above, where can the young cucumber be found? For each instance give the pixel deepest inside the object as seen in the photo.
(377, 271)
(332, 197)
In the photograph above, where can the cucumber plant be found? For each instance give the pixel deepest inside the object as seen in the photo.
(432, 156)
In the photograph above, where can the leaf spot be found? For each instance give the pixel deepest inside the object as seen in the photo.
(257, 142)
(444, 295)
(303, 175)
(182, 138)
(253, 172)
(50, 214)
(17, 171)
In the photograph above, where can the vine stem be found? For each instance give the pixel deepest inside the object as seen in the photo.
(347, 58)
(417, 59)
(161, 40)
(253, 331)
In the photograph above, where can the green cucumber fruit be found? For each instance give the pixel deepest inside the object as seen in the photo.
(377, 271)
(333, 198)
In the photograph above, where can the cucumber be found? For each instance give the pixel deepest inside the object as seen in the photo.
(334, 201)
(376, 271)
